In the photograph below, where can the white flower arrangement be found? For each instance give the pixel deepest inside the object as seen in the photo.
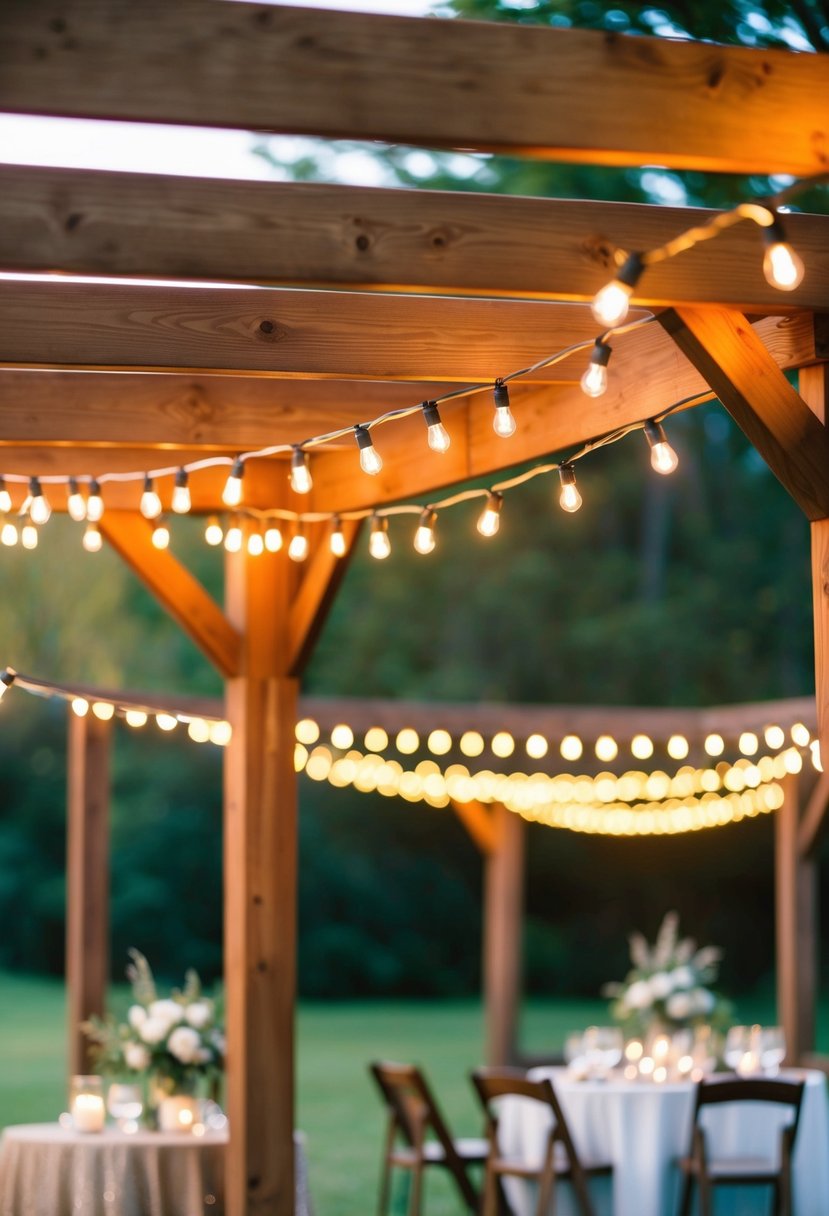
(668, 984)
(174, 1040)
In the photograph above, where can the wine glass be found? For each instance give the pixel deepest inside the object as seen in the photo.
(737, 1043)
(611, 1045)
(772, 1049)
(125, 1105)
(574, 1053)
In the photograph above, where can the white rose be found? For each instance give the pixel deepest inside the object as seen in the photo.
(682, 977)
(702, 1000)
(168, 1011)
(154, 1030)
(136, 1056)
(199, 1014)
(679, 1005)
(660, 985)
(185, 1044)
(638, 995)
(136, 1016)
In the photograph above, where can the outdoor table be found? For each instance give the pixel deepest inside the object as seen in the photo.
(642, 1128)
(49, 1170)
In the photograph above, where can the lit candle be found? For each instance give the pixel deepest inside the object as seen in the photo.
(178, 1113)
(88, 1112)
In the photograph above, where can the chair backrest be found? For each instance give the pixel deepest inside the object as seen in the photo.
(494, 1083)
(410, 1103)
(730, 1088)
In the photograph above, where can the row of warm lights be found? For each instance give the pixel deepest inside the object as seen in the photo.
(502, 744)
(200, 730)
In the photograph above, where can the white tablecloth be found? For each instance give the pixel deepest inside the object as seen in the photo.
(48, 1170)
(642, 1128)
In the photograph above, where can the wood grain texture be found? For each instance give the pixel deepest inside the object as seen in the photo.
(175, 588)
(732, 358)
(313, 235)
(574, 95)
(503, 932)
(87, 880)
(796, 924)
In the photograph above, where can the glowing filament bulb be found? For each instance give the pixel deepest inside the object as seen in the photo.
(8, 533)
(337, 537)
(781, 265)
(273, 538)
(5, 498)
(150, 505)
(94, 503)
(232, 493)
(436, 433)
(298, 547)
(28, 535)
(569, 498)
(181, 493)
(370, 461)
(39, 509)
(161, 535)
(92, 539)
(424, 541)
(594, 380)
(610, 304)
(663, 457)
(233, 537)
(503, 423)
(379, 545)
(301, 481)
(75, 503)
(490, 519)
(256, 544)
(213, 531)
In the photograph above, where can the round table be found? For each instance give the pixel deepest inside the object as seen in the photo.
(641, 1128)
(49, 1170)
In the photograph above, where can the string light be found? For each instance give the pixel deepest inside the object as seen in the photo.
(436, 433)
(28, 535)
(424, 540)
(181, 493)
(256, 543)
(75, 502)
(569, 498)
(610, 304)
(7, 678)
(782, 267)
(94, 503)
(663, 457)
(298, 547)
(337, 538)
(370, 460)
(490, 520)
(213, 533)
(161, 534)
(379, 545)
(5, 497)
(150, 505)
(503, 423)
(232, 492)
(301, 482)
(8, 533)
(92, 539)
(39, 509)
(594, 379)
(234, 537)
(273, 538)
(79, 706)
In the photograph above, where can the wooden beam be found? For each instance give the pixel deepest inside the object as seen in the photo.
(87, 880)
(503, 927)
(724, 347)
(479, 822)
(575, 95)
(175, 588)
(314, 597)
(796, 915)
(814, 819)
(313, 235)
(820, 608)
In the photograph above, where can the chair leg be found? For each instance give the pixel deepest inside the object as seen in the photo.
(705, 1195)
(416, 1191)
(490, 1204)
(685, 1195)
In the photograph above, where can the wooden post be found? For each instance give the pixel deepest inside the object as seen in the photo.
(260, 841)
(503, 910)
(796, 898)
(87, 879)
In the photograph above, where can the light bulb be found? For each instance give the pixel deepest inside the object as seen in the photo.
(213, 532)
(337, 537)
(256, 544)
(781, 265)
(594, 380)
(490, 519)
(370, 460)
(150, 506)
(232, 493)
(233, 537)
(92, 539)
(503, 423)
(75, 503)
(424, 541)
(28, 536)
(379, 545)
(181, 493)
(301, 481)
(663, 457)
(610, 304)
(569, 498)
(7, 678)
(161, 535)
(94, 503)
(298, 547)
(39, 509)
(273, 538)
(8, 533)
(5, 498)
(436, 433)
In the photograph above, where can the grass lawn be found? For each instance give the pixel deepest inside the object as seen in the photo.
(338, 1109)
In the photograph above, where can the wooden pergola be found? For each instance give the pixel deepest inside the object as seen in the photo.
(352, 301)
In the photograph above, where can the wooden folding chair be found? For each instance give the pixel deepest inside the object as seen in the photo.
(560, 1161)
(710, 1170)
(417, 1136)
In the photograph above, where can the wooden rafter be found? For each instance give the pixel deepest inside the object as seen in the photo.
(315, 595)
(479, 823)
(312, 235)
(814, 818)
(439, 83)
